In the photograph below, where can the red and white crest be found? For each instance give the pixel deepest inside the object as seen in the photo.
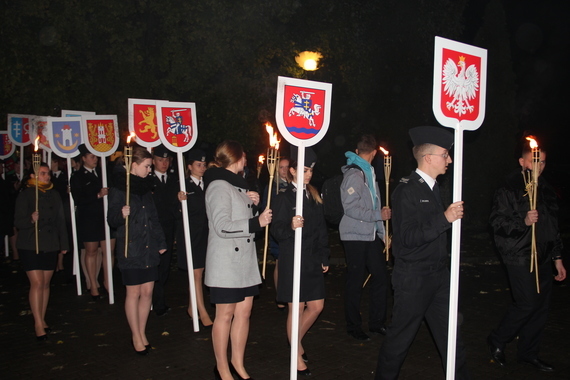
(459, 84)
(177, 125)
(143, 122)
(6, 146)
(303, 110)
(100, 134)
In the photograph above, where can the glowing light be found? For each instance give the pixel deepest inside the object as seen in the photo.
(532, 142)
(308, 60)
(261, 159)
(36, 143)
(130, 137)
(273, 141)
(384, 151)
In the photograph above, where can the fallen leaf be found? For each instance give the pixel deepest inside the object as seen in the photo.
(165, 333)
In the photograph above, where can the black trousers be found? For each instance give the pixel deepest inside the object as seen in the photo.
(363, 257)
(418, 295)
(527, 315)
(158, 298)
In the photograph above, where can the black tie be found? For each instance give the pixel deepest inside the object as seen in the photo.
(436, 192)
(163, 179)
(200, 185)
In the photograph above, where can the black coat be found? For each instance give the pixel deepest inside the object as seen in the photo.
(166, 199)
(89, 211)
(315, 250)
(418, 224)
(512, 236)
(198, 222)
(146, 237)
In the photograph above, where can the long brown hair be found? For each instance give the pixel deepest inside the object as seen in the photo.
(228, 152)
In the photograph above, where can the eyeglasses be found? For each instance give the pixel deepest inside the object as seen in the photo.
(443, 155)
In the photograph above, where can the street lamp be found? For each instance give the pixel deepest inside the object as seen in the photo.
(308, 60)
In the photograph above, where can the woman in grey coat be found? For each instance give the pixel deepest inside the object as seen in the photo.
(232, 271)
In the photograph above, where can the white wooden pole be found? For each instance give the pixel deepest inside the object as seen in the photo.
(455, 254)
(188, 244)
(76, 266)
(107, 234)
(297, 264)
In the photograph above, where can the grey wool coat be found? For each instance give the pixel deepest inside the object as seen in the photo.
(231, 259)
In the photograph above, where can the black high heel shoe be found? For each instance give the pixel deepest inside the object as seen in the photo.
(42, 338)
(234, 372)
(305, 372)
(47, 330)
(143, 352)
(217, 375)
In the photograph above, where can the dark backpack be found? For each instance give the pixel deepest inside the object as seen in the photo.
(332, 203)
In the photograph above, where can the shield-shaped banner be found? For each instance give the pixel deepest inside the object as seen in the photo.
(459, 84)
(19, 129)
(64, 135)
(303, 110)
(100, 134)
(177, 125)
(73, 113)
(6, 146)
(143, 122)
(39, 129)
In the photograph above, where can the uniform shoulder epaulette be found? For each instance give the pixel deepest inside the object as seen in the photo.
(404, 180)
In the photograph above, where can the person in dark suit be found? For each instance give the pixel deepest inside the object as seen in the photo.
(196, 203)
(420, 277)
(164, 192)
(88, 192)
(315, 251)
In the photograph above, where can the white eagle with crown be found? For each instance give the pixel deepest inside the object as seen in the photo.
(461, 84)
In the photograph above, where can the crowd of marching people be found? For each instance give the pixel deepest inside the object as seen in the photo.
(227, 210)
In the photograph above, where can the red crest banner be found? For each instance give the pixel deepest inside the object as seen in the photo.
(177, 125)
(101, 134)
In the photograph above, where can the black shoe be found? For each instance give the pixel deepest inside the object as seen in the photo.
(97, 297)
(148, 346)
(235, 373)
(217, 375)
(305, 372)
(47, 330)
(378, 330)
(538, 364)
(42, 338)
(497, 354)
(359, 335)
(143, 352)
(305, 358)
(161, 312)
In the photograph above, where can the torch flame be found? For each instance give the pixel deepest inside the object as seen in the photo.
(36, 143)
(533, 143)
(384, 151)
(273, 142)
(130, 137)
(261, 159)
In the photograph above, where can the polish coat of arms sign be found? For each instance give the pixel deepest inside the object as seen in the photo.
(459, 84)
(177, 125)
(64, 135)
(19, 129)
(101, 134)
(143, 122)
(7, 148)
(303, 110)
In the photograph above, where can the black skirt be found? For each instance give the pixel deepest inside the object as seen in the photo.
(38, 261)
(135, 276)
(232, 295)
